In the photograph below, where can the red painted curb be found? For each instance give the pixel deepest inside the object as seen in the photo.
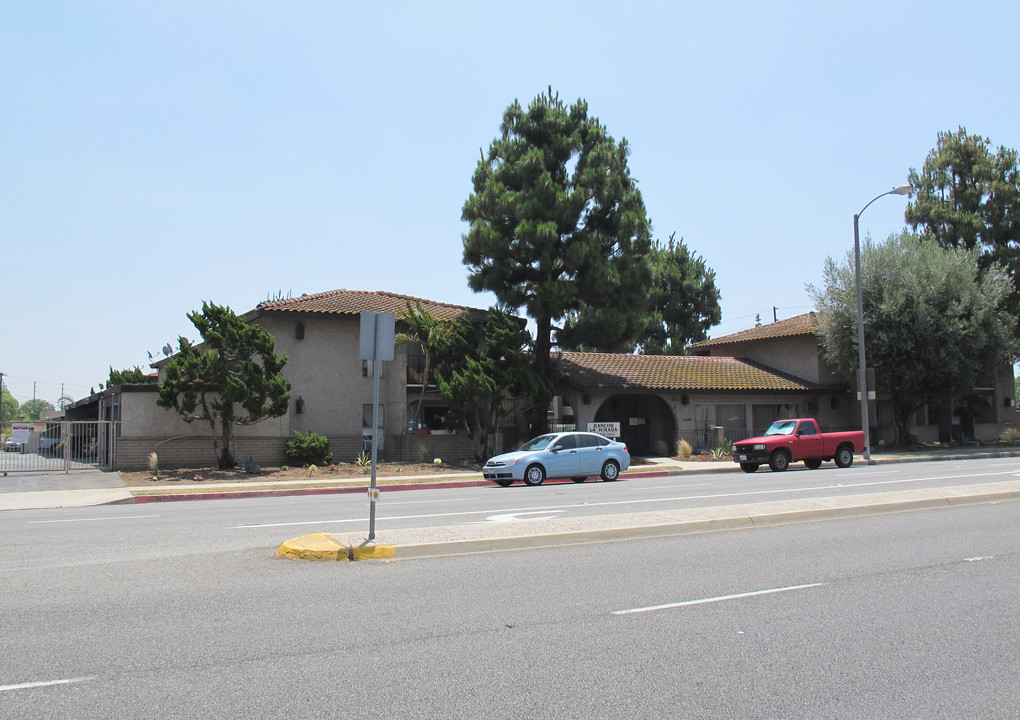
(348, 490)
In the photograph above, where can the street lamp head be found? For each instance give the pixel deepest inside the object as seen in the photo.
(901, 190)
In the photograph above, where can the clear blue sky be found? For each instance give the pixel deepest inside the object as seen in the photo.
(157, 154)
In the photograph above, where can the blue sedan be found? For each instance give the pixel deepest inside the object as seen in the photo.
(574, 455)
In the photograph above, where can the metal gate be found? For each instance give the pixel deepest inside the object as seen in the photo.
(58, 445)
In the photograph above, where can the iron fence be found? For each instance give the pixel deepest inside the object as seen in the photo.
(57, 445)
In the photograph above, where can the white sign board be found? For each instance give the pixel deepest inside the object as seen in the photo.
(19, 433)
(608, 429)
(385, 322)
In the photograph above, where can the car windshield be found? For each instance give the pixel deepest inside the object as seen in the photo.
(539, 443)
(782, 427)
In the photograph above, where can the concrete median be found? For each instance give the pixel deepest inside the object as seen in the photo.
(550, 532)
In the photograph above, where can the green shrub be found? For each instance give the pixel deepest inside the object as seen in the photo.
(308, 449)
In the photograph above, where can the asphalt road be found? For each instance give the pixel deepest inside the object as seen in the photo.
(158, 530)
(131, 611)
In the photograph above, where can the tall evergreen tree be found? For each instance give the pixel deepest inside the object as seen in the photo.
(557, 223)
(683, 303)
(233, 378)
(968, 195)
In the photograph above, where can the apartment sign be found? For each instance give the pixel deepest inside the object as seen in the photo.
(608, 429)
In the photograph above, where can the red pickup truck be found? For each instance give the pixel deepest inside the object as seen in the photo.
(788, 441)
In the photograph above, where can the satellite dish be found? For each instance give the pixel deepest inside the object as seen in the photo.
(168, 349)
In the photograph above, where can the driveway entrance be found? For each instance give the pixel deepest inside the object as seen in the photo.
(57, 446)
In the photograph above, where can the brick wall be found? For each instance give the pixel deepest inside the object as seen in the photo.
(197, 451)
(194, 451)
(411, 448)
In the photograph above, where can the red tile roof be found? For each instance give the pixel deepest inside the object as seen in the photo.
(798, 325)
(673, 372)
(353, 302)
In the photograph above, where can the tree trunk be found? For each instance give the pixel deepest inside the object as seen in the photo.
(543, 365)
(226, 451)
(424, 386)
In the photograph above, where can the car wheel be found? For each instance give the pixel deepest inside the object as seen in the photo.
(579, 479)
(813, 464)
(779, 461)
(534, 475)
(748, 467)
(844, 456)
(610, 471)
(504, 483)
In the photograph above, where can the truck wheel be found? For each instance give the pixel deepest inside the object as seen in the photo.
(779, 461)
(844, 456)
(813, 464)
(748, 467)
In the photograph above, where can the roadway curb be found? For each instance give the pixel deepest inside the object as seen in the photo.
(466, 540)
(346, 489)
(318, 546)
(323, 546)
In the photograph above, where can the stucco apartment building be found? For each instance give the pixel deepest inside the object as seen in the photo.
(725, 388)
(331, 390)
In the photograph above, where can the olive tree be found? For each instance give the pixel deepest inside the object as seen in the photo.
(935, 325)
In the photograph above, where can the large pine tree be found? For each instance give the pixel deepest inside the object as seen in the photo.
(968, 195)
(557, 223)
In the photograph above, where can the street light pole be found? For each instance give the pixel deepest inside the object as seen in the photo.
(862, 372)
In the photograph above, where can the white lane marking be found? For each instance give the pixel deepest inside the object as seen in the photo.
(517, 516)
(448, 501)
(71, 520)
(45, 683)
(720, 598)
(713, 496)
(362, 519)
(672, 487)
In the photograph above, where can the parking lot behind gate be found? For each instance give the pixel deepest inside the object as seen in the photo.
(57, 445)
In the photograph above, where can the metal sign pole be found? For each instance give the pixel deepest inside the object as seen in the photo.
(373, 492)
(377, 333)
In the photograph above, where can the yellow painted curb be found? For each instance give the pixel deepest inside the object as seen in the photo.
(319, 546)
(373, 552)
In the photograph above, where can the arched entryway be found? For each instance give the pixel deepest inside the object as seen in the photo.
(647, 424)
